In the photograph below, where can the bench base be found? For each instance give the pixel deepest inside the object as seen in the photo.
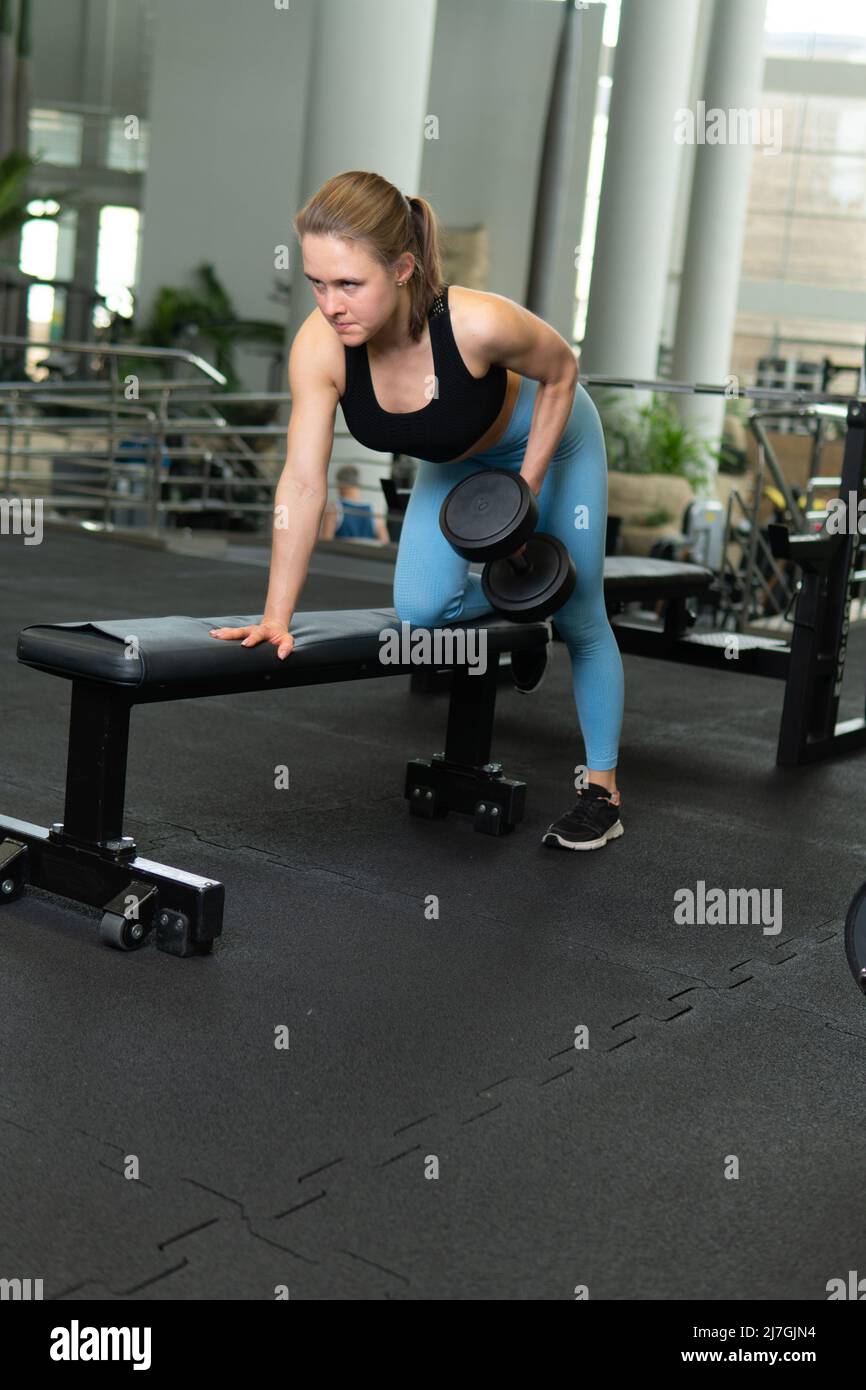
(437, 786)
(137, 896)
(183, 911)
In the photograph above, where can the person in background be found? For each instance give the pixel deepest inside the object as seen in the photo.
(348, 518)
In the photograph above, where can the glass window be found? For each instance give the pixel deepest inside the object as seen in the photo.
(38, 256)
(835, 124)
(67, 232)
(56, 135)
(806, 226)
(799, 339)
(807, 206)
(808, 29)
(116, 256)
(127, 144)
(831, 183)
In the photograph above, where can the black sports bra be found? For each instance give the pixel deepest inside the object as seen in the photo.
(462, 411)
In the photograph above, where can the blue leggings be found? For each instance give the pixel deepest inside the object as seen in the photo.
(433, 586)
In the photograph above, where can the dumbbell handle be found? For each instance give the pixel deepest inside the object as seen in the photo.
(519, 563)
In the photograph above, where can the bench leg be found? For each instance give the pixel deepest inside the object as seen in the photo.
(87, 858)
(463, 778)
(96, 765)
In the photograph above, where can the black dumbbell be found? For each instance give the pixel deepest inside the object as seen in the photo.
(490, 515)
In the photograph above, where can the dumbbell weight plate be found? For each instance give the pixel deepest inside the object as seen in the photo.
(489, 514)
(527, 596)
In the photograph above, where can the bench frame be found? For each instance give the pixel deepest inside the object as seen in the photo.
(87, 859)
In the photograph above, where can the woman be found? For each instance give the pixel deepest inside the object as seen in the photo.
(461, 380)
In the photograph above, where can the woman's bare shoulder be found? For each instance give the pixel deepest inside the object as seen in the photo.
(480, 312)
(468, 296)
(322, 349)
(465, 301)
(479, 320)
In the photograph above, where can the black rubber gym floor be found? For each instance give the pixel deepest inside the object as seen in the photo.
(431, 1131)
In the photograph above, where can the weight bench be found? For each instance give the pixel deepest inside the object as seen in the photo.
(116, 664)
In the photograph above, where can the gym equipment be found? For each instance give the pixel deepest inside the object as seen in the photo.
(87, 858)
(811, 666)
(490, 515)
(700, 538)
(855, 936)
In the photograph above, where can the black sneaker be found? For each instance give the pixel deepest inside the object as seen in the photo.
(591, 822)
(528, 669)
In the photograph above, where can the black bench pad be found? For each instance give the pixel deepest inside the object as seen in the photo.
(631, 577)
(179, 650)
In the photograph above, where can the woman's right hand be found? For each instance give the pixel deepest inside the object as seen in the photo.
(266, 631)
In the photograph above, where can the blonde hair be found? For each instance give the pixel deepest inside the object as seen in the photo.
(362, 206)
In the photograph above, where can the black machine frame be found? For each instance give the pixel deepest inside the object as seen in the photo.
(813, 663)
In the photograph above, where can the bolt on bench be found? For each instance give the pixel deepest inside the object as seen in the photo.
(116, 664)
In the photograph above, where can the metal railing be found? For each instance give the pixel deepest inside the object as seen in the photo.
(708, 388)
(111, 409)
(167, 456)
(170, 453)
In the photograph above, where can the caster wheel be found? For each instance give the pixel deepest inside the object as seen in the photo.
(13, 869)
(119, 932)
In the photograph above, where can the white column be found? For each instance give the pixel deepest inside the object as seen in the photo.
(368, 95)
(562, 180)
(638, 196)
(717, 214)
(687, 168)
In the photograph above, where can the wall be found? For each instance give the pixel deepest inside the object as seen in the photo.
(491, 71)
(227, 116)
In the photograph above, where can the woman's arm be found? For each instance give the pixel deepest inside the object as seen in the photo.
(300, 496)
(505, 333)
(302, 491)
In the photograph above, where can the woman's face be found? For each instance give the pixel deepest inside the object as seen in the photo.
(355, 293)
